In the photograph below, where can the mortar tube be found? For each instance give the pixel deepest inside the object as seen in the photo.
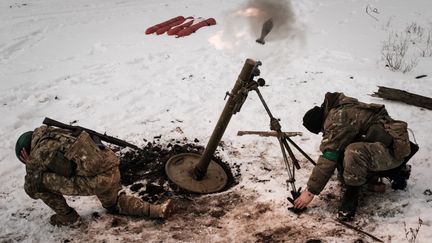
(201, 168)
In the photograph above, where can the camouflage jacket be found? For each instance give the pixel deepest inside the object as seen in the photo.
(346, 120)
(46, 141)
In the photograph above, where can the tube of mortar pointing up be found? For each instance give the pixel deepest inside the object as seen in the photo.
(267, 27)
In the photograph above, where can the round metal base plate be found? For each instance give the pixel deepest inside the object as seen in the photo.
(180, 169)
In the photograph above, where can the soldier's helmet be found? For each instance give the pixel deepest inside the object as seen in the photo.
(24, 141)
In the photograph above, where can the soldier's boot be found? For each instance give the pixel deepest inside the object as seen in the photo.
(349, 203)
(400, 177)
(375, 184)
(130, 205)
(71, 218)
(163, 210)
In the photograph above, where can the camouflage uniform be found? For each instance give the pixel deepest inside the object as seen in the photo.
(346, 122)
(96, 173)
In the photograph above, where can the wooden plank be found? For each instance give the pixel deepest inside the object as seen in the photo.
(403, 96)
(268, 133)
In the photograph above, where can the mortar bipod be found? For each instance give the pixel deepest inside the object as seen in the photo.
(250, 84)
(283, 143)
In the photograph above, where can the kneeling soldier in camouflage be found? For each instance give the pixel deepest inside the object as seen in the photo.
(60, 163)
(362, 141)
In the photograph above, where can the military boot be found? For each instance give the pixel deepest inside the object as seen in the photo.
(70, 219)
(162, 211)
(349, 203)
(400, 177)
(130, 205)
(375, 184)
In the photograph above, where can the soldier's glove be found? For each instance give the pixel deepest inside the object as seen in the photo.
(376, 133)
(59, 164)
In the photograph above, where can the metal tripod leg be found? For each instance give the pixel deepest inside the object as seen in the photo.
(294, 192)
(291, 154)
(291, 179)
(300, 150)
(275, 126)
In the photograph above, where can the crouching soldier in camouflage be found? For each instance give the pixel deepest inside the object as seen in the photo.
(362, 141)
(59, 163)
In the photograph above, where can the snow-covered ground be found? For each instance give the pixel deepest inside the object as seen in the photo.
(90, 61)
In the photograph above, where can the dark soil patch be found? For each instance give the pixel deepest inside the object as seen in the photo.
(194, 215)
(273, 236)
(144, 171)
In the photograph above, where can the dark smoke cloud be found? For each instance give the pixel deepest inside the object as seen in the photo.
(244, 23)
(279, 10)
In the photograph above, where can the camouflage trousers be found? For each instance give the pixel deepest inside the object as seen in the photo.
(105, 186)
(362, 158)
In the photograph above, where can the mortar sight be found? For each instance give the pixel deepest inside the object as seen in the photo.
(255, 71)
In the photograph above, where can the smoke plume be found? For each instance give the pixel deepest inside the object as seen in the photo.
(246, 21)
(259, 11)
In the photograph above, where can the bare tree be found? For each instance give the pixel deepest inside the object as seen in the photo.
(411, 234)
(395, 50)
(402, 50)
(426, 49)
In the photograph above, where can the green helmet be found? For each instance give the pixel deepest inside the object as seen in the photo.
(24, 141)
